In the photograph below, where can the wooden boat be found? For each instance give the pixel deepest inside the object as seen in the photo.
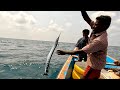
(72, 69)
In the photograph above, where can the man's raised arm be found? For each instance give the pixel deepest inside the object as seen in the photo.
(86, 17)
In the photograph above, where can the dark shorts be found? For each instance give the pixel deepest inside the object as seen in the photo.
(91, 73)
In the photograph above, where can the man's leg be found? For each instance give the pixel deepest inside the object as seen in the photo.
(91, 73)
(80, 58)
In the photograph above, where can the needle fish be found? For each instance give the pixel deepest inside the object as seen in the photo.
(50, 55)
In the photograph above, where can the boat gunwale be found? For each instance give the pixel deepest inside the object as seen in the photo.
(62, 74)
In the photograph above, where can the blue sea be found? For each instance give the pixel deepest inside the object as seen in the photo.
(25, 59)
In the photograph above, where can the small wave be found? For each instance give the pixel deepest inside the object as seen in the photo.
(5, 44)
(4, 55)
(20, 46)
(15, 49)
(2, 71)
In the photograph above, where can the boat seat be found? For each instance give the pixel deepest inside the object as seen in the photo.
(81, 64)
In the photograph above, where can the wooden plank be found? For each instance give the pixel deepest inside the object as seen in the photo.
(109, 75)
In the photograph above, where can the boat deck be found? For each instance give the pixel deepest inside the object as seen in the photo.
(104, 73)
(109, 75)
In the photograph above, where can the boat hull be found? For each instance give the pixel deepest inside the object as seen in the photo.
(72, 69)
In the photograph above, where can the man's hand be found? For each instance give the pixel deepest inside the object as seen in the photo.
(86, 17)
(61, 52)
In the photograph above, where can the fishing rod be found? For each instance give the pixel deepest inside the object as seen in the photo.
(50, 55)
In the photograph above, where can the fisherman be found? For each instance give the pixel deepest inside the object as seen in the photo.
(81, 43)
(96, 48)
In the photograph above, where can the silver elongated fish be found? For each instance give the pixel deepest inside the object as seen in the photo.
(50, 55)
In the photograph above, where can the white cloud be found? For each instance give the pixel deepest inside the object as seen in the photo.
(117, 21)
(52, 27)
(51, 22)
(42, 29)
(22, 25)
(5, 14)
(20, 17)
(23, 18)
(55, 27)
(20, 20)
(68, 24)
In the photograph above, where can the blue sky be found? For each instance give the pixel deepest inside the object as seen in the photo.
(46, 25)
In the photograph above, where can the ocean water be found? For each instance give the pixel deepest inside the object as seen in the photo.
(25, 59)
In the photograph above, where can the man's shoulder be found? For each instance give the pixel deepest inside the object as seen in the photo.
(102, 37)
(80, 39)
